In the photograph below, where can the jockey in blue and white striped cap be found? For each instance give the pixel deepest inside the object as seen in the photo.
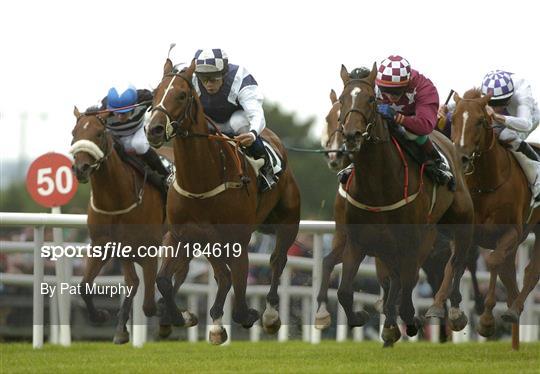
(230, 96)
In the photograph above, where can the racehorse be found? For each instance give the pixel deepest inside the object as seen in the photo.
(502, 200)
(383, 220)
(215, 201)
(332, 139)
(123, 210)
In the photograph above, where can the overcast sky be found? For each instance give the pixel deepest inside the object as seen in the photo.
(55, 55)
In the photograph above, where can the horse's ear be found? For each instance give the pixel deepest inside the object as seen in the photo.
(76, 112)
(373, 74)
(457, 99)
(344, 74)
(191, 69)
(485, 99)
(167, 69)
(333, 96)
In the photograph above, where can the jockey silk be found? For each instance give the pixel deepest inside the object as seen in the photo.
(419, 104)
(238, 92)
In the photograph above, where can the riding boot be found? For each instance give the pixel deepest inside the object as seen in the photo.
(528, 151)
(152, 159)
(436, 167)
(267, 179)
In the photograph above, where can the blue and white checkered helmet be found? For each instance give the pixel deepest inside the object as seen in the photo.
(211, 61)
(499, 84)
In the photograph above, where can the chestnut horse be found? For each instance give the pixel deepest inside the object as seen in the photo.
(223, 206)
(383, 220)
(123, 209)
(502, 200)
(332, 139)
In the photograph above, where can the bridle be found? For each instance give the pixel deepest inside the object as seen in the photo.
(371, 120)
(100, 152)
(172, 127)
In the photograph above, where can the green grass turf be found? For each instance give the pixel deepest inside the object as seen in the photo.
(292, 357)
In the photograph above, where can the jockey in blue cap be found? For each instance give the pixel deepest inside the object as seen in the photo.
(231, 97)
(129, 107)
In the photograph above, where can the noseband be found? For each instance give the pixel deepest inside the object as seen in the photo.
(172, 127)
(100, 152)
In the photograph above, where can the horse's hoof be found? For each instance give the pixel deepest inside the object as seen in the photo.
(323, 320)
(510, 316)
(486, 330)
(272, 327)
(457, 319)
(435, 311)
(391, 334)
(121, 337)
(217, 335)
(165, 331)
(379, 305)
(190, 319)
(388, 345)
(100, 316)
(360, 319)
(412, 330)
(252, 317)
(479, 306)
(177, 319)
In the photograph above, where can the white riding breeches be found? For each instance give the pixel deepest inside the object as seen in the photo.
(237, 124)
(136, 142)
(510, 137)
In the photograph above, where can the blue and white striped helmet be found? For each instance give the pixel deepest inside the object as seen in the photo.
(209, 61)
(499, 84)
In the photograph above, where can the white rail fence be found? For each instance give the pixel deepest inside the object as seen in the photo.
(60, 332)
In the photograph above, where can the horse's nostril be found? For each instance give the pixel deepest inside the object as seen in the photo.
(465, 159)
(157, 130)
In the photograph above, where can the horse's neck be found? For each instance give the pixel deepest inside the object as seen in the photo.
(198, 162)
(378, 172)
(492, 166)
(112, 184)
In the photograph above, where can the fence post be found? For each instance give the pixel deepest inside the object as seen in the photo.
(316, 281)
(255, 330)
(63, 275)
(39, 264)
(284, 304)
(139, 319)
(193, 304)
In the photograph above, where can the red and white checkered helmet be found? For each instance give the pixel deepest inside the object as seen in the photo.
(394, 71)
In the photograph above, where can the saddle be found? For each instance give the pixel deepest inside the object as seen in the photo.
(140, 166)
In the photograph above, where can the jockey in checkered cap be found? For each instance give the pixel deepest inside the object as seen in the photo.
(411, 101)
(129, 107)
(513, 109)
(231, 97)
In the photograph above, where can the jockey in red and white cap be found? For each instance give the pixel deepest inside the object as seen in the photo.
(411, 101)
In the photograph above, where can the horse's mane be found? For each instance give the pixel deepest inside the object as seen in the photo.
(94, 109)
(473, 93)
(359, 73)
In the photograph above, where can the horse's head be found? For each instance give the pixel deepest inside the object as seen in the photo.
(358, 118)
(172, 105)
(90, 145)
(332, 137)
(472, 133)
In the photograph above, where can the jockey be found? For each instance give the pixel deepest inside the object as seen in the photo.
(231, 97)
(513, 109)
(129, 106)
(411, 101)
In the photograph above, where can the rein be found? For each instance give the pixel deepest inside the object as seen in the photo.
(173, 129)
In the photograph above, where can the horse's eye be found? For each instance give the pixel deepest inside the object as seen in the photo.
(371, 99)
(181, 96)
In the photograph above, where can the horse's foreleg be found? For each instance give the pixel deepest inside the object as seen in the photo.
(131, 279)
(149, 266)
(164, 281)
(242, 314)
(91, 270)
(486, 327)
(409, 278)
(323, 318)
(530, 281)
(391, 333)
(222, 275)
(352, 258)
(472, 259)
